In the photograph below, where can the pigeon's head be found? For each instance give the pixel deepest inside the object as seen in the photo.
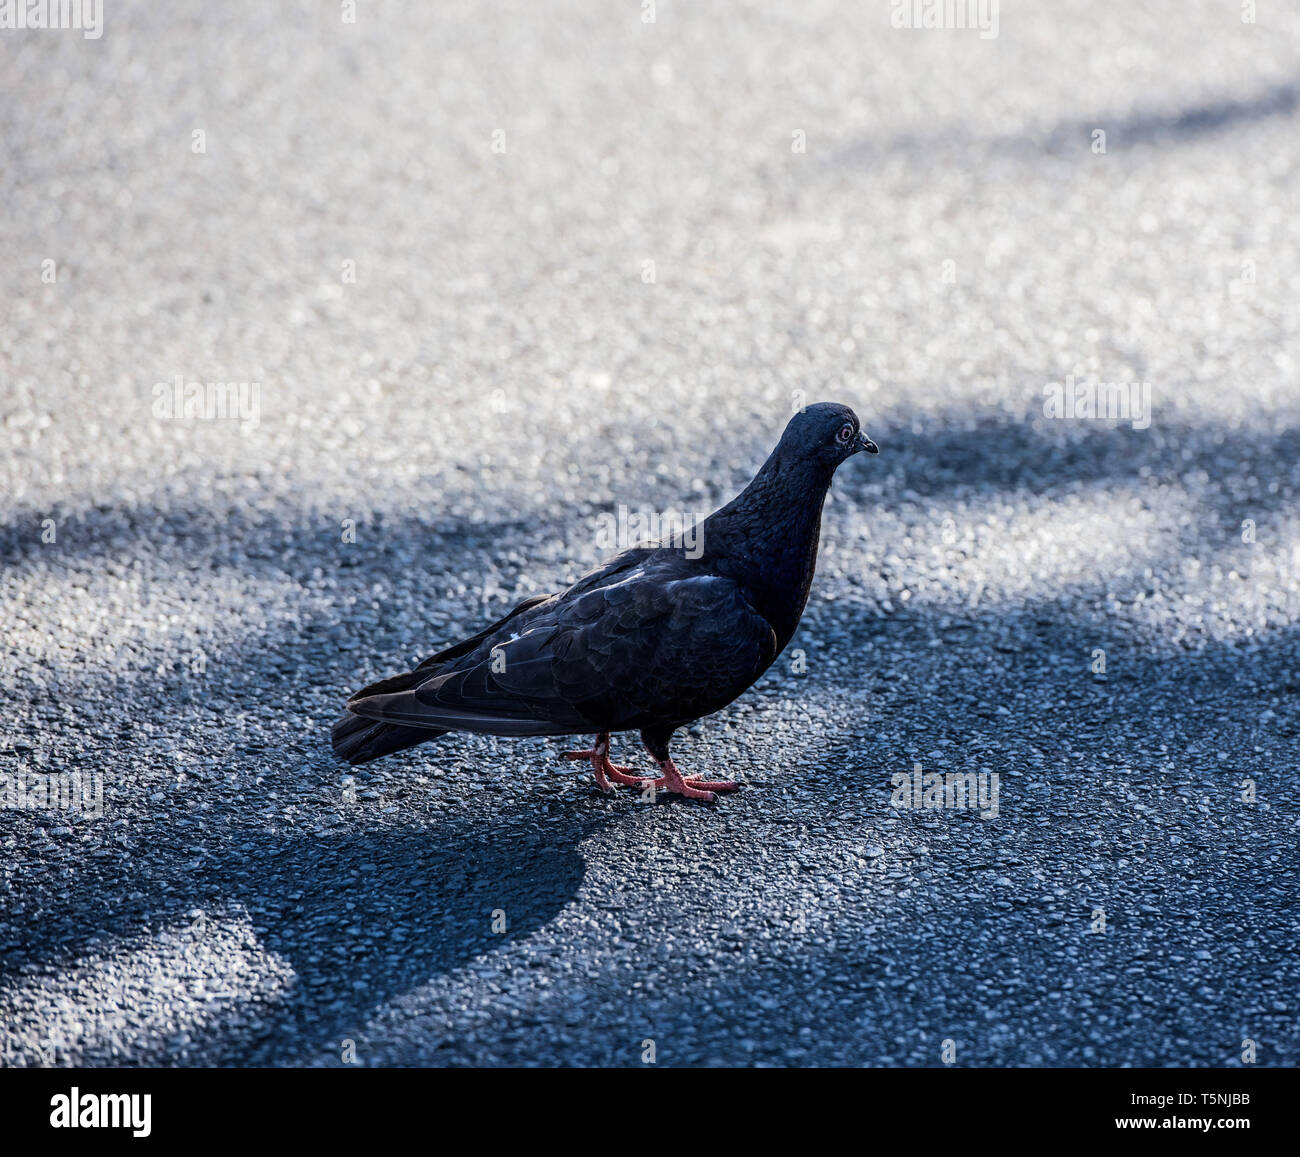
(827, 433)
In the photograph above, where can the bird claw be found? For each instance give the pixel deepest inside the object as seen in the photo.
(616, 770)
(624, 775)
(672, 780)
(691, 786)
(599, 756)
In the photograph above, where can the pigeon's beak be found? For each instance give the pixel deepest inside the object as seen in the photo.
(865, 443)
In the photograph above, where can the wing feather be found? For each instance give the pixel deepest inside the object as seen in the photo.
(645, 641)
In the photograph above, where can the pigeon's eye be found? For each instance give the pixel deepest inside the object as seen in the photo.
(846, 432)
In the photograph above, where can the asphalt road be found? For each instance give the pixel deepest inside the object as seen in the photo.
(497, 270)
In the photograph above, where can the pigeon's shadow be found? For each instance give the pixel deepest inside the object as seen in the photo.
(358, 920)
(364, 919)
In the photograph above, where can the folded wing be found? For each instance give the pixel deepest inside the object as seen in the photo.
(644, 641)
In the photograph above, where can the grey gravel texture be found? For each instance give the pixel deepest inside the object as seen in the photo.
(504, 368)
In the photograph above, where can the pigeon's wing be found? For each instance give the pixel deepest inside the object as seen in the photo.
(410, 678)
(635, 645)
(469, 644)
(474, 699)
(641, 653)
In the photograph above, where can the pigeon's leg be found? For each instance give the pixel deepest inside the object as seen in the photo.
(620, 774)
(599, 756)
(691, 786)
(672, 780)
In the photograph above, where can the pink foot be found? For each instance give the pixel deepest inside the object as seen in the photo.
(600, 764)
(672, 780)
(691, 786)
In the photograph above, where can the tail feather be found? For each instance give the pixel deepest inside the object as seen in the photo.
(393, 683)
(359, 740)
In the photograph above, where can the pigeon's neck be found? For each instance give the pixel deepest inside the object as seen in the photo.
(766, 538)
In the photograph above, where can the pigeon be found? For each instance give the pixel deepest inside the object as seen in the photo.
(660, 636)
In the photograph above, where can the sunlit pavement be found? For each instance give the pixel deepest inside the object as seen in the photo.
(450, 285)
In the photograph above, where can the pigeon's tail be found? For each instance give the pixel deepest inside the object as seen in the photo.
(360, 740)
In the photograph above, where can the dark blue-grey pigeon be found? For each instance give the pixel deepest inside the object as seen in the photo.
(655, 639)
